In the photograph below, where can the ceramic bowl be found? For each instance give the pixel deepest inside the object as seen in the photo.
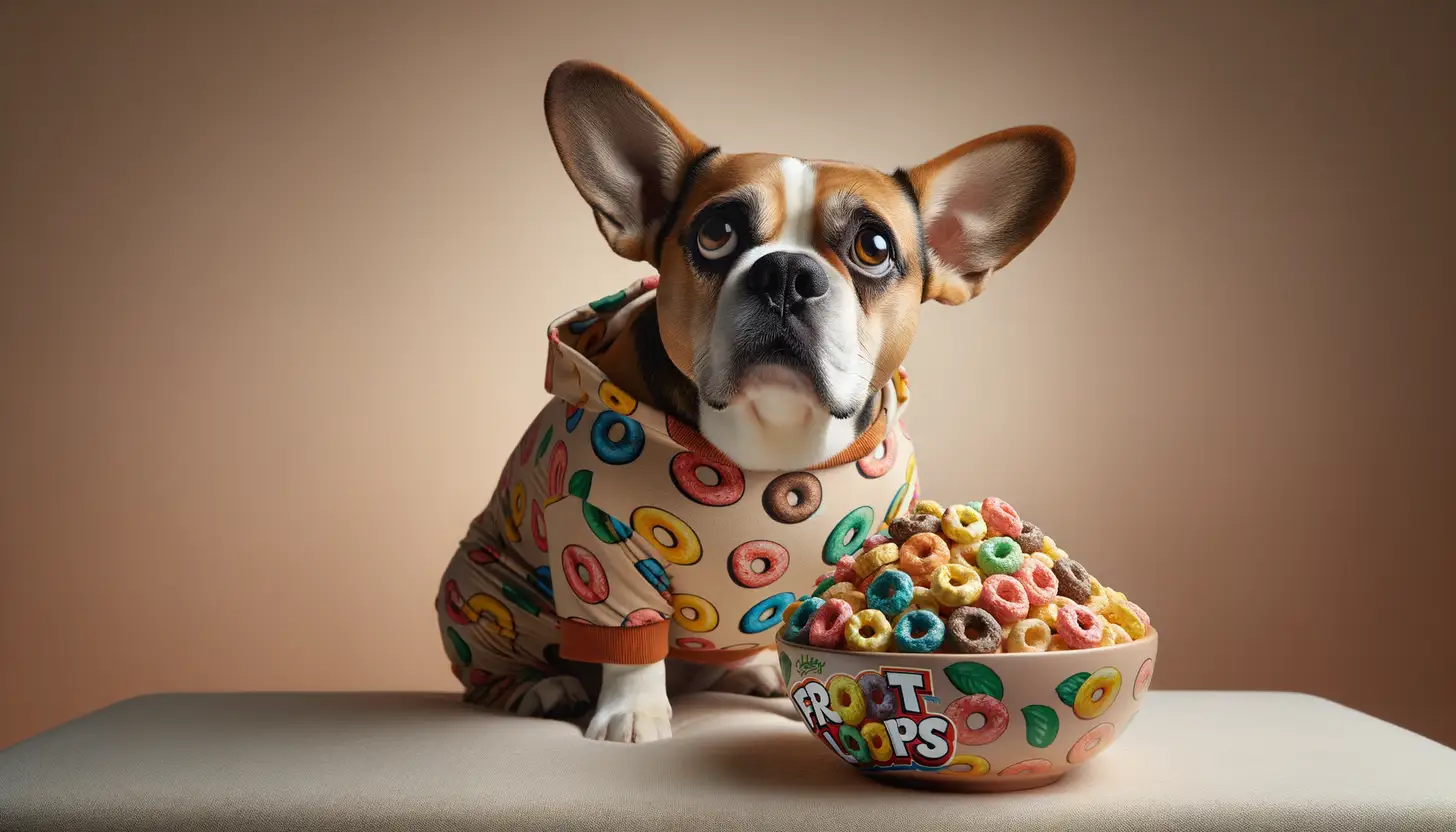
(996, 722)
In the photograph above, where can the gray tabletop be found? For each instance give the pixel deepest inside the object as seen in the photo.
(1239, 761)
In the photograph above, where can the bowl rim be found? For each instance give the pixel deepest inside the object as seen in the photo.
(1151, 639)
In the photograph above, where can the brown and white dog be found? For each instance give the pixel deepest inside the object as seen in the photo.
(789, 292)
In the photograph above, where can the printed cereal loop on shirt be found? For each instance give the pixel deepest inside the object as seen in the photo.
(849, 534)
(694, 613)
(793, 497)
(616, 399)
(669, 535)
(766, 613)
(881, 459)
(584, 574)
(617, 439)
(757, 563)
(896, 503)
(705, 481)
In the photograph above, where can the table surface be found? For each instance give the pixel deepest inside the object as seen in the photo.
(361, 761)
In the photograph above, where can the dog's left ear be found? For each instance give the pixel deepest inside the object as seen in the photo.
(626, 154)
(984, 202)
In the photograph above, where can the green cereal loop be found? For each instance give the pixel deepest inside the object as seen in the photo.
(849, 534)
(823, 585)
(853, 742)
(999, 556)
(975, 504)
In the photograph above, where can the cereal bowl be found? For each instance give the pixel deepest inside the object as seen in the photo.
(963, 722)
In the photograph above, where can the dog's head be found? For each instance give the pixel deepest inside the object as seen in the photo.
(790, 289)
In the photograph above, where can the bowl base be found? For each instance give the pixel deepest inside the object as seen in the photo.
(962, 783)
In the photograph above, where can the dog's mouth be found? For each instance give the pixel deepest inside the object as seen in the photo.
(774, 373)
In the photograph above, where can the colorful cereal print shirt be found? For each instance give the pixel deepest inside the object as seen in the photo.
(650, 542)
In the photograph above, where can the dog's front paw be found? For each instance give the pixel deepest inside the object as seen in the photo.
(758, 676)
(633, 706)
(555, 697)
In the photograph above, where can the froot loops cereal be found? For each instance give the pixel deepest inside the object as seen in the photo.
(969, 578)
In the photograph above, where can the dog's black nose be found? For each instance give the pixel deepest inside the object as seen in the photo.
(787, 281)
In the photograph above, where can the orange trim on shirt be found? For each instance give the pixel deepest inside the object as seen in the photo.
(613, 645)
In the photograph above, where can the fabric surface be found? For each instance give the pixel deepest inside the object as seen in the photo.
(623, 535)
(1192, 761)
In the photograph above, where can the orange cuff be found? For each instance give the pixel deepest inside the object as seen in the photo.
(613, 645)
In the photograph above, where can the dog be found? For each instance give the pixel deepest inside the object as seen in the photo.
(726, 430)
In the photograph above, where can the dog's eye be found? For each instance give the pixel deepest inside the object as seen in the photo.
(717, 238)
(872, 249)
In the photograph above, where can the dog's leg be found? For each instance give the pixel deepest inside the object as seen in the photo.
(633, 705)
(757, 675)
(555, 697)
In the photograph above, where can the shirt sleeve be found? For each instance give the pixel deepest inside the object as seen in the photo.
(612, 590)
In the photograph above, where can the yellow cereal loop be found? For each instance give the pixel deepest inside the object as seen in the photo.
(1098, 602)
(962, 524)
(1044, 559)
(967, 765)
(1049, 548)
(1030, 635)
(1121, 614)
(1045, 613)
(964, 554)
(955, 586)
(1119, 635)
(882, 555)
(1114, 596)
(1108, 639)
(1057, 644)
(789, 611)
(868, 631)
(1097, 693)
(878, 740)
(923, 599)
(929, 507)
(846, 592)
(846, 699)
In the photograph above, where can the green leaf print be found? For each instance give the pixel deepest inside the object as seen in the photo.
(1067, 690)
(973, 677)
(1041, 725)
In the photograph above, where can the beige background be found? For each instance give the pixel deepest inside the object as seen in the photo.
(276, 278)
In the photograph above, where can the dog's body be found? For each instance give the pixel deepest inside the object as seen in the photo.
(725, 431)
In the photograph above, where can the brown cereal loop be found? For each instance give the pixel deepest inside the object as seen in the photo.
(1073, 580)
(904, 528)
(793, 497)
(1030, 538)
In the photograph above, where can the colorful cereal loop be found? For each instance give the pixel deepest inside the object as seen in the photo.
(725, 490)
(765, 614)
(758, 563)
(538, 526)
(694, 613)
(967, 765)
(849, 534)
(622, 450)
(681, 545)
(584, 574)
(881, 459)
(616, 399)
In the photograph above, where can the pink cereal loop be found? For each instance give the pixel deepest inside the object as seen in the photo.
(1079, 627)
(1000, 517)
(650, 282)
(844, 569)
(1039, 581)
(826, 628)
(1004, 598)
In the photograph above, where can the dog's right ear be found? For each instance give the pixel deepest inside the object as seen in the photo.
(626, 154)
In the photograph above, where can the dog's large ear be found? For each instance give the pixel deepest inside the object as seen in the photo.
(626, 154)
(984, 202)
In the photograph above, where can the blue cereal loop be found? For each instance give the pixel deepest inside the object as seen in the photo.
(765, 613)
(925, 622)
(618, 451)
(890, 593)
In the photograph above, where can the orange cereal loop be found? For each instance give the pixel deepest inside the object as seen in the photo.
(923, 554)
(964, 554)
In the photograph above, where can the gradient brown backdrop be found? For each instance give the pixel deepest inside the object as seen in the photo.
(276, 278)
